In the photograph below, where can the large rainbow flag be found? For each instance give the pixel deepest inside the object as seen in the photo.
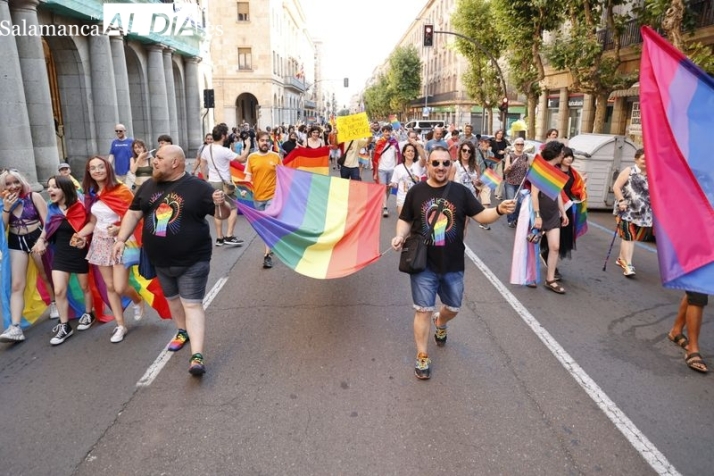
(676, 100)
(547, 178)
(311, 160)
(239, 179)
(320, 226)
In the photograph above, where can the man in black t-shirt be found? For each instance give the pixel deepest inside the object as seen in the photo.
(177, 240)
(444, 273)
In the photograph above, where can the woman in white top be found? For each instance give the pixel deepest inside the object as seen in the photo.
(407, 174)
(109, 201)
(466, 171)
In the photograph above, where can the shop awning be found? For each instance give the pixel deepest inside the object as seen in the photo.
(624, 93)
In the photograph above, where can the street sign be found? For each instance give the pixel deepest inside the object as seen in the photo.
(425, 112)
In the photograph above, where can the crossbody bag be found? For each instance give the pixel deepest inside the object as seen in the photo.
(229, 187)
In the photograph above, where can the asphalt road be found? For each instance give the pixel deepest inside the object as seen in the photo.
(316, 377)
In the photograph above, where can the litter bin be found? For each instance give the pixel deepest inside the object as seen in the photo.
(602, 157)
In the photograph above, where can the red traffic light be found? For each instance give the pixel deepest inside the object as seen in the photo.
(428, 35)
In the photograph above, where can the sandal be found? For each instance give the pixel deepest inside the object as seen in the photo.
(680, 339)
(554, 286)
(694, 361)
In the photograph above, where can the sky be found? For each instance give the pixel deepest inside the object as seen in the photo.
(358, 35)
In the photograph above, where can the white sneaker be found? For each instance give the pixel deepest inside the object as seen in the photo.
(139, 310)
(12, 334)
(118, 334)
(54, 313)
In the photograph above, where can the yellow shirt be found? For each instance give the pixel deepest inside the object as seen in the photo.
(263, 171)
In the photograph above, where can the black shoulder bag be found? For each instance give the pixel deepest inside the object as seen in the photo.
(413, 257)
(343, 157)
(146, 268)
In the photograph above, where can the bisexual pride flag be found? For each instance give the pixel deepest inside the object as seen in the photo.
(547, 178)
(677, 100)
(322, 227)
(491, 178)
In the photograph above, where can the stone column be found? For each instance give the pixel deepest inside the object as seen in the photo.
(37, 90)
(157, 93)
(171, 96)
(619, 117)
(121, 77)
(588, 113)
(104, 93)
(542, 116)
(193, 105)
(563, 114)
(16, 149)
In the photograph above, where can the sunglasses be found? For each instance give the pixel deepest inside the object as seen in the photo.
(118, 131)
(468, 151)
(436, 163)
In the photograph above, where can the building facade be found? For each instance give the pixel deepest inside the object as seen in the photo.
(65, 84)
(263, 64)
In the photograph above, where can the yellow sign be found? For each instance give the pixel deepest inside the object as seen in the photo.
(355, 126)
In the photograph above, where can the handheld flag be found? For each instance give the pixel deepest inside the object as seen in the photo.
(676, 102)
(322, 227)
(310, 160)
(396, 125)
(491, 178)
(547, 178)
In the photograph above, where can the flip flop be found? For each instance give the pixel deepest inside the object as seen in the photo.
(695, 362)
(554, 286)
(680, 339)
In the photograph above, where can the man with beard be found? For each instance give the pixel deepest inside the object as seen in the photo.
(261, 170)
(177, 239)
(442, 207)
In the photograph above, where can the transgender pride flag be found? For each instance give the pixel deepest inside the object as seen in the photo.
(677, 100)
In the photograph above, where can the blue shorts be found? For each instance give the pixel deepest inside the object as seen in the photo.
(261, 205)
(428, 284)
(385, 176)
(187, 282)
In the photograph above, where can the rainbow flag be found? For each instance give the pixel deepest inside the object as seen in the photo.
(396, 125)
(491, 178)
(363, 158)
(239, 179)
(320, 226)
(676, 99)
(580, 214)
(310, 160)
(36, 297)
(547, 178)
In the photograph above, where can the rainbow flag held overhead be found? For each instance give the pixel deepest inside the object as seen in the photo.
(310, 160)
(320, 226)
(396, 125)
(547, 178)
(676, 99)
(491, 178)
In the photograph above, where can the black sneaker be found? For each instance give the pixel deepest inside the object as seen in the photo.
(219, 241)
(86, 321)
(267, 261)
(440, 333)
(64, 331)
(232, 241)
(422, 367)
(197, 367)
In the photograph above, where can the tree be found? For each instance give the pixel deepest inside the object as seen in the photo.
(580, 49)
(474, 19)
(404, 77)
(521, 24)
(377, 99)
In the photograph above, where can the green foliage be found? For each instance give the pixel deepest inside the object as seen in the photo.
(474, 18)
(404, 77)
(377, 99)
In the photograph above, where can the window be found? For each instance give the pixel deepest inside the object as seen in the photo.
(245, 59)
(243, 9)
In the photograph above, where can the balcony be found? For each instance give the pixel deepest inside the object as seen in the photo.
(702, 12)
(294, 83)
(310, 104)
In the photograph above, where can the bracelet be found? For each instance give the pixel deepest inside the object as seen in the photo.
(498, 210)
(119, 240)
(5, 211)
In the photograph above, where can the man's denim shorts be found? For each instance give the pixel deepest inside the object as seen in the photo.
(188, 282)
(428, 284)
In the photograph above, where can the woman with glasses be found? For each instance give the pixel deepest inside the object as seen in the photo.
(108, 201)
(68, 230)
(24, 213)
(515, 168)
(467, 172)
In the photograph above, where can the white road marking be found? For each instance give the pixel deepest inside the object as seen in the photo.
(153, 371)
(638, 440)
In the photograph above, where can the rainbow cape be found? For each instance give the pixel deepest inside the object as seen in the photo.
(320, 226)
(547, 178)
(580, 204)
(491, 178)
(676, 100)
(36, 297)
(311, 160)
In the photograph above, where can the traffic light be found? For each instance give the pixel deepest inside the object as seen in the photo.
(208, 100)
(428, 35)
(347, 82)
(504, 105)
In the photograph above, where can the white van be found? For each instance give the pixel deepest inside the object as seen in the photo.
(424, 125)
